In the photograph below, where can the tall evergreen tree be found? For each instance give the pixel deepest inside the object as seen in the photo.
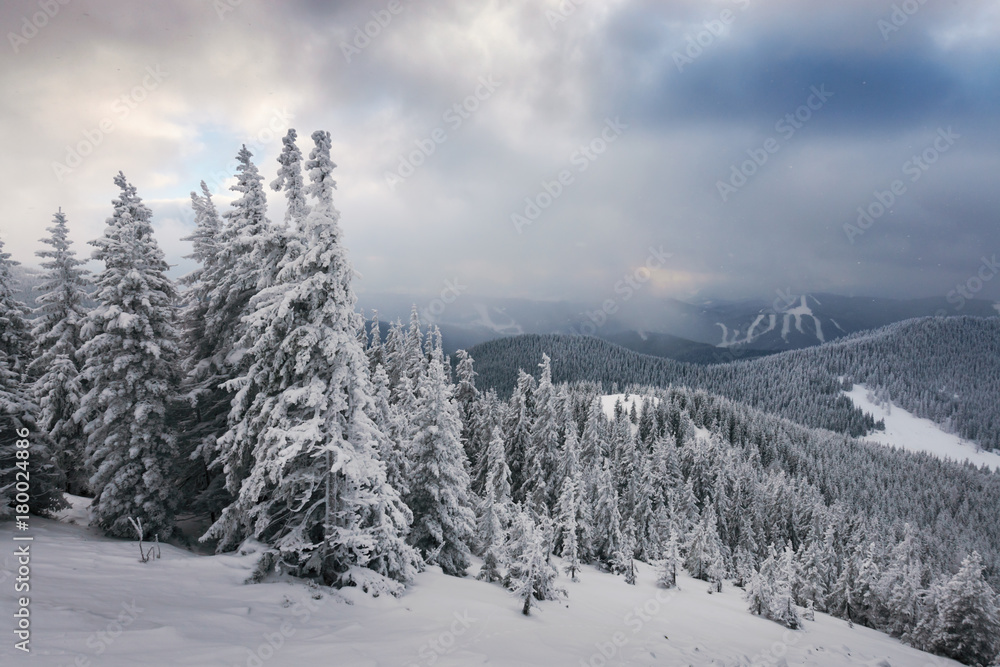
(968, 627)
(517, 433)
(495, 510)
(395, 425)
(467, 398)
(130, 354)
(444, 521)
(251, 252)
(544, 441)
(25, 453)
(607, 518)
(316, 489)
(670, 562)
(204, 406)
(530, 576)
(57, 340)
(704, 550)
(567, 513)
(290, 180)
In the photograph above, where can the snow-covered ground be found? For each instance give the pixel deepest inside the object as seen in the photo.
(608, 403)
(917, 434)
(94, 603)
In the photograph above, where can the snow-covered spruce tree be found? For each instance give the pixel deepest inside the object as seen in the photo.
(487, 414)
(783, 608)
(130, 369)
(624, 559)
(704, 546)
(467, 398)
(572, 470)
(901, 582)
(25, 453)
(248, 255)
(535, 489)
(443, 519)
(567, 529)
(968, 627)
(671, 560)
(517, 433)
(758, 591)
(495, 509)
(542, 476)
(607, 519)
(395, 425)
(204, 406)
(56, 335)
(530, 576)
(290, 180)
(316, 490)
(410, 359)
(769, 593)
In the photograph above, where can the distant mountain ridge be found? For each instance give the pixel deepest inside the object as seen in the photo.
(708, 332)
(944, 369)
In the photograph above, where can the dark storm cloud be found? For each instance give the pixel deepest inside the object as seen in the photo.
(558, 79)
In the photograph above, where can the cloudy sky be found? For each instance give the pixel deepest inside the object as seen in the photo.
(743, 137)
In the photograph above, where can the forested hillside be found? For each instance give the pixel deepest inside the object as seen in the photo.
(258, 405)
(946, 369)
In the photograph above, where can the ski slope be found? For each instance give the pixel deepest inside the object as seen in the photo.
(917, 434)
(94, 604)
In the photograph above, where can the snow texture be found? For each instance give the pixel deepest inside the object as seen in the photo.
(94, 601)
(905, 431)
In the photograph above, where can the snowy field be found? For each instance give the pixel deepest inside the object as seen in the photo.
(916, 434)
(608, 402)
(94, 603)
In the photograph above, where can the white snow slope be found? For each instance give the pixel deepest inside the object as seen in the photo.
(917, 434)
(93, 603)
